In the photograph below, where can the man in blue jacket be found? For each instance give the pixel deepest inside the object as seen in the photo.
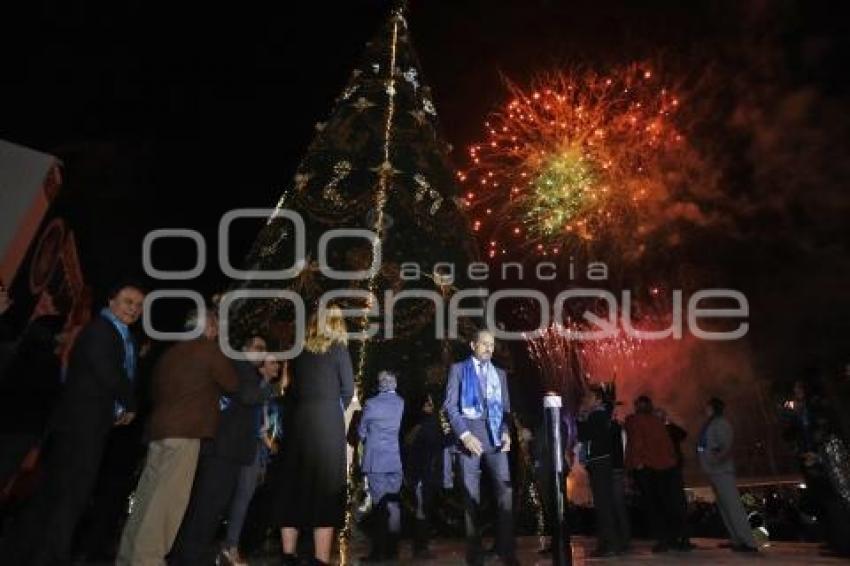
(379, 430)
(477, 405)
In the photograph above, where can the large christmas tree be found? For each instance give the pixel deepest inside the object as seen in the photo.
(379, 163)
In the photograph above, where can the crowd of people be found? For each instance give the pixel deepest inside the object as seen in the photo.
(211, 424)
(214, 429)
(647, 448)
(824, 459)
(253, 444)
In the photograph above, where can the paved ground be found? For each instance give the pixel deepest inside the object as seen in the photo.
(450, 552)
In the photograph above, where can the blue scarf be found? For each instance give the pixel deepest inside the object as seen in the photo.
(471, 402)
(272, 415)
(129, 350)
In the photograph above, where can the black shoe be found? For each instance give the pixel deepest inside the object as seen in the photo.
(660, 548)
(510, 560)
(289, 560)
(391, 549)
(101, 555)
(743, 548)
(423, 554)
(684, 546)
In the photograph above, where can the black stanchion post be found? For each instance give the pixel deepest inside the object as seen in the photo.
(561, 551)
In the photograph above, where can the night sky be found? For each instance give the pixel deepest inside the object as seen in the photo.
(168, 116)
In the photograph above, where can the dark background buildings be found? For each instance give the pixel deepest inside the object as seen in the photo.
(169, 115)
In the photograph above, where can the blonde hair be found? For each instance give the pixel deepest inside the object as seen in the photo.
(319, 340)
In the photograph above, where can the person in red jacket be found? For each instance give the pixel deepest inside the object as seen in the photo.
(651, 457)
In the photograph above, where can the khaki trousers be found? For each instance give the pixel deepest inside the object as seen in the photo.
(160, 502)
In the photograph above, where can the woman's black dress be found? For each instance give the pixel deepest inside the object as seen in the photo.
(312, 483)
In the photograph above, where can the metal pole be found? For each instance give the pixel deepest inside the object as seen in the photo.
(561, 551)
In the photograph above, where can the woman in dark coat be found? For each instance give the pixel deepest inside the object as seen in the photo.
(312, 487)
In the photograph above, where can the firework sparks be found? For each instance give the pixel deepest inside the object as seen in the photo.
(556, 355)
(567, 360)
(580, 160)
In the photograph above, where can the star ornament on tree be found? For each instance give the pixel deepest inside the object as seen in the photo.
(301, 180)
(386, 168)
(362, 104)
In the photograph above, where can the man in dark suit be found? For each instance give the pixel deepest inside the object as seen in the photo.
(477, 405)
(379, 429)
(594, 432)
(234, 446)
(424, 471)
(98, 395)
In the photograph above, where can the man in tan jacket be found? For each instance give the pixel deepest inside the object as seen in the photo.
(187, 384)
